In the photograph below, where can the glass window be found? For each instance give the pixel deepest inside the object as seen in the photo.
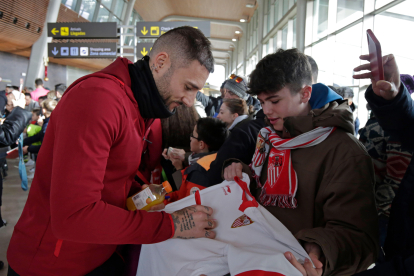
(380, 3)
(294, 33)
(275, 43)
(353, 9)
(388, 34)
(285, 6)
(405, 8)
(87, 9)
(71, 4)
(103, 14)
(107, 3)
(276, 11)
(345, 53)
(120, 8)
(269, 17)
(284, 37)
(321, 15)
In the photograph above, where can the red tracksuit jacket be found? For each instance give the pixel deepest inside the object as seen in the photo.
(75, 214)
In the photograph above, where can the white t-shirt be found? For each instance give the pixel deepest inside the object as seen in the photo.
(248, 239)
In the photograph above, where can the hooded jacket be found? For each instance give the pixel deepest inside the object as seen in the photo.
(335, 196)
(397, 118)
(75, 215)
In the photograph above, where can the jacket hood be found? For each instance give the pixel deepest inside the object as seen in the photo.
(119, 72)
(328, 110)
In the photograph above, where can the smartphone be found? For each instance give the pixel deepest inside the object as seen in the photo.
(375, 57)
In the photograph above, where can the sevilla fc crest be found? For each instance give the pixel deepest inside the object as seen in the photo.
(242, 221)
(275, 166)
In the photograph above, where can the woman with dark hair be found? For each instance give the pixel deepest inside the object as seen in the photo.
(234, 112)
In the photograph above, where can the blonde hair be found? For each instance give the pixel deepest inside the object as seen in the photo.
(49, 105)
(51, 95)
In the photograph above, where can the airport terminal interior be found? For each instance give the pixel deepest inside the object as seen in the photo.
(46, 46)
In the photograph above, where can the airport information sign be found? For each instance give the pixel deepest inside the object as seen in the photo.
(82, 50)
(143, 49)
(147, 29)
(81, 30)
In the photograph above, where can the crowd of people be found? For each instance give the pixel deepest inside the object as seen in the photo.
(345, 200)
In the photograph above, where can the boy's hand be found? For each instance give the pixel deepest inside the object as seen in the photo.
(390, 86)
(315, 253)
(25, 149)
(235, 169)
(177, 163)
(193, 222)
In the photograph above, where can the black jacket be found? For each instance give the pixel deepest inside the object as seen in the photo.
(241, 145)
(210, 103)
(13, 126)
(36, 138)
(397, 117)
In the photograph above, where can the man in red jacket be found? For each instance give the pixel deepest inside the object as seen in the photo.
(75, 215)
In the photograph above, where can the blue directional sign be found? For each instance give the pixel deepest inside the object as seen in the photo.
(64, 51)
(82, 50)
(74, 51)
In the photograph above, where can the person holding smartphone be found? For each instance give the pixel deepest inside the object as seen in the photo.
(393, 107)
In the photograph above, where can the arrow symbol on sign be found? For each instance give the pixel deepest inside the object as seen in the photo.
(143, 52)
(55, 52)
(144, 31)
(54, 31)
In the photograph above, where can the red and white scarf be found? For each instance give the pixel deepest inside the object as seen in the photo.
(282, 182)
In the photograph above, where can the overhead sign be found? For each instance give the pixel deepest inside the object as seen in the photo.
(82, 50)
(143, 49)
(155, 29)
(82, 30)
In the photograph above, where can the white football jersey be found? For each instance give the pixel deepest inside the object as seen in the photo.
(249, 239)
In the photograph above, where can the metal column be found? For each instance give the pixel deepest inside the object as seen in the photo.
(128, 12)
(39, 49)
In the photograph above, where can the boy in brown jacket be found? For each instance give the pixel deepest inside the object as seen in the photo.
(311, 172)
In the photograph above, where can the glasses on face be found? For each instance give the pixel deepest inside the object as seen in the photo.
(236, 78)
(192, 136)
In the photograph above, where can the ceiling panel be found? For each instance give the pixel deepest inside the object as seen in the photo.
(233, 10)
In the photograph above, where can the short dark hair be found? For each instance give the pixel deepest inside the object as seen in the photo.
(60, 88)
(222, 85)
(212, 131)
(38, 82)
(185, 44)
(283, 68)
(314, 68)
(28, 94)
(36, 111)
(42, 98)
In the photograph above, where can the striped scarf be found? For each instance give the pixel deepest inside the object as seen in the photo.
(282, 182)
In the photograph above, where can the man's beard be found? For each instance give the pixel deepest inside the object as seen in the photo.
(163, 86)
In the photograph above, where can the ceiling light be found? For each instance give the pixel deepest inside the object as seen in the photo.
(234, 39)
(237, 32)
(251, 4)
(242, 20)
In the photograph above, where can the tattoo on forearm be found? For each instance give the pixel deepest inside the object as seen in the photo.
(185, 238)
(176, 221)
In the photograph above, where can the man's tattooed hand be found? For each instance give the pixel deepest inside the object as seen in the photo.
(193, 222)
